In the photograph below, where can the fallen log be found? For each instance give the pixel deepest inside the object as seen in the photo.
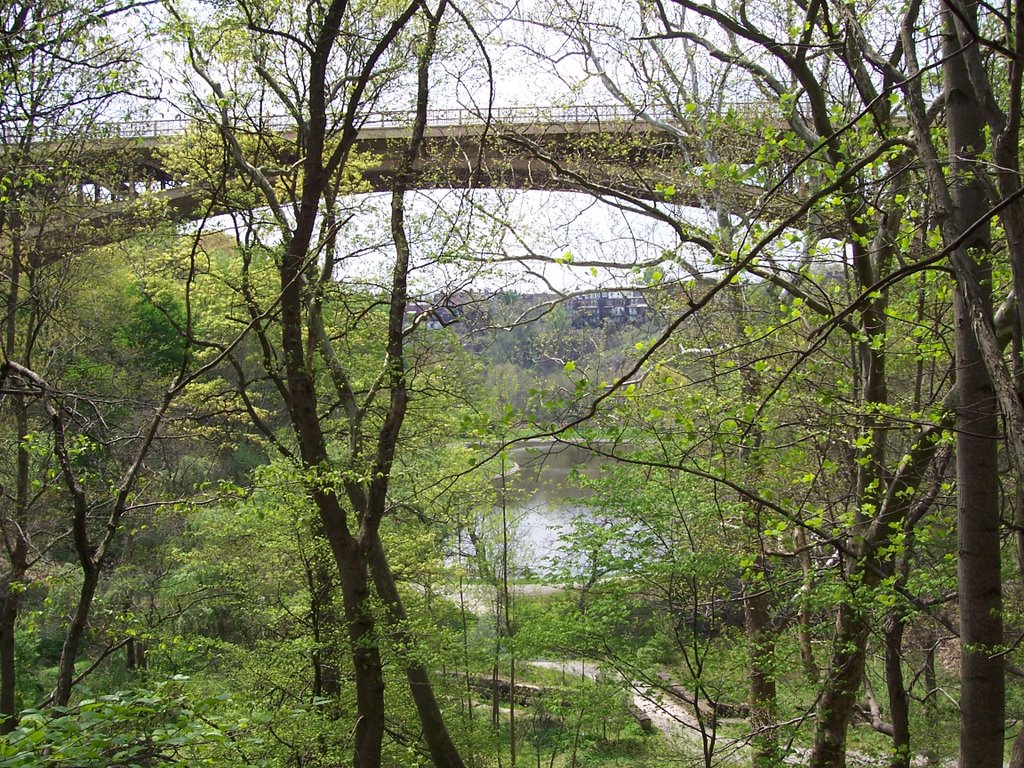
(642, 717)
(523, 693)
(708, 707)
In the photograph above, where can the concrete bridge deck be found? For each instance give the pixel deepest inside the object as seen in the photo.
(573, 148)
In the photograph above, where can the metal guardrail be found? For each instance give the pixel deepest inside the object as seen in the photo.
(573, 114)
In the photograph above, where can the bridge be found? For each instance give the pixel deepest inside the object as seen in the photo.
(591, 148)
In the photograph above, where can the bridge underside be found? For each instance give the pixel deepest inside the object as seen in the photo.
(630, 160)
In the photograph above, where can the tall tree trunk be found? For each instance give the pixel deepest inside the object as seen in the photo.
(1017, 750)
(8, 672)
(442, 749)
(369, 672)
(846, 667)
(350, 509)
(347, 550)
(982, 684)
(760, 630)
(17, 523)
(506, 598)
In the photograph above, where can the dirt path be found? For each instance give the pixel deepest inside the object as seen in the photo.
(674, 719)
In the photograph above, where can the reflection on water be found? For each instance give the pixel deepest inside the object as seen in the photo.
(544, 493)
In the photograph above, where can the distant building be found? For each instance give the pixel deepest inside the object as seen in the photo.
(444, 309)
(608, 306)
(427, 315)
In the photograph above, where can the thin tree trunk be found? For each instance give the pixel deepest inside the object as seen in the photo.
(846, 670)
(846, 666)
(17, 551)
(507, 603)
(8, 674)
(131, 658)
(495, 694)
(435, 733)
(325, 623)
(73, 638)
(761, 655)
(835, 707)
(1017, 751)
(804, 613)
(899, 706)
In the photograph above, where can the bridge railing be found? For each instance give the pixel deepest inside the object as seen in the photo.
(569, 114)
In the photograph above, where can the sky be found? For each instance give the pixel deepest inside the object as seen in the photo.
(568, 230)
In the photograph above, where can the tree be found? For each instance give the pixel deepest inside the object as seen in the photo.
(326, 67)
(64, 67)
(840, 134)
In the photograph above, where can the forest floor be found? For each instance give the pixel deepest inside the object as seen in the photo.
(673, 719)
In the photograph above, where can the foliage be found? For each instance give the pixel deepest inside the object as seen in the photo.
(131, 728)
